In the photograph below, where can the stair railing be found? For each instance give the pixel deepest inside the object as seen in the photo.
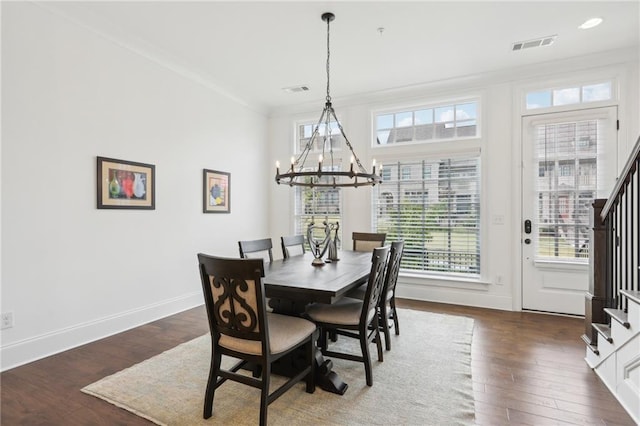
(614, 258)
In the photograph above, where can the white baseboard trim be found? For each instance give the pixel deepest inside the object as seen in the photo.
(480, 299)
(38, 347)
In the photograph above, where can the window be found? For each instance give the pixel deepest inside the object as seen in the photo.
(317, 204)
(437, 214)
(569, 95)
(567, 160)
(425, 124)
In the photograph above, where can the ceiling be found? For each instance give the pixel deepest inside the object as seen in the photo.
(250, 51)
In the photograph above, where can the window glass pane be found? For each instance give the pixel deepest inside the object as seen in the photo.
(444, 114)
(437, 214)
(596, 92)
(566, 96)
(426, 124)
(466, 128)
(383, 137)
(445, 131)
(384, 121)
(539, 99)
(424, 132)
(570, 95)
(465, 111)
(566, 185)
(307, 130)
(424, 116)
(404, 119)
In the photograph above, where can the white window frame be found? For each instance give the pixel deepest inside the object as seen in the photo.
(441, 148)
(428, 105)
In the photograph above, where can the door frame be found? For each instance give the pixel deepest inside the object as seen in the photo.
(620, 80)
(611, 114)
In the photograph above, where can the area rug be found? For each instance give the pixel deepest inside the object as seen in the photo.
(424, 380)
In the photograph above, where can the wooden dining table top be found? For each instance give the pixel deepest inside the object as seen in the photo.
(297, 280)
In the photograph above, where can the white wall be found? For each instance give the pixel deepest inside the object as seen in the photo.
(500, 283)
(72, 273)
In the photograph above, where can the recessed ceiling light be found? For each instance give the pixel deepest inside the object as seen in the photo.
(590, 23)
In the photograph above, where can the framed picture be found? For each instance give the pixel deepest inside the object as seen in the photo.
(217, 192)
(126, 184)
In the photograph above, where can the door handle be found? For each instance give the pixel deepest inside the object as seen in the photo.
(527, 226)
(527, 241)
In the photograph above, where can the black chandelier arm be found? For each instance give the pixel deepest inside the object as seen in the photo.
(302, 158)
(332, 112)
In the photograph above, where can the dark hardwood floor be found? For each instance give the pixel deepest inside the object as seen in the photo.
(528, 369)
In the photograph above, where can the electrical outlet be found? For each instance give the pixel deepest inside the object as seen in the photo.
(499, 279)
(7, 320)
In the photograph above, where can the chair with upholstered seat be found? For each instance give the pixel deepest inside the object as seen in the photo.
(355, 318)
(367, 241)
(387, 305)
(251, 249)
(292, 245)
(242, 328)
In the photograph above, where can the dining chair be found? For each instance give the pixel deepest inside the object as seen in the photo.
(292, 244)
(250, 248)
(387, 305)
(355, 318)
(241, 328)
(367, 241)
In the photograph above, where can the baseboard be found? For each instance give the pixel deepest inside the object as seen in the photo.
(38, 347)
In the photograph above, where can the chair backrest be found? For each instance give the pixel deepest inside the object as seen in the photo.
(292, 245)
(367, 241)
(248, 249)
(379, 261)
(234, 297)
(393, 268)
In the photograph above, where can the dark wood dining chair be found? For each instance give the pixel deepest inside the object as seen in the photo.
(387, 305)
(242, 328)
(292, 244)
(367, 241)
(355, 318)
(256, 248)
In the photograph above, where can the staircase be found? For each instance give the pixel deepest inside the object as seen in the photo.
(616, 356)
(612, 304)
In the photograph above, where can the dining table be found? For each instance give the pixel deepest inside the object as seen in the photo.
(293, 283)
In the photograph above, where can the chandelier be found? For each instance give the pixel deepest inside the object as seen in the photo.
(327, 173)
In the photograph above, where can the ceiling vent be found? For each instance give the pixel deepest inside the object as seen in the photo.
(295, 89)
(538, 42)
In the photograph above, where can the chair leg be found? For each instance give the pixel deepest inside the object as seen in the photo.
(394, 311)
(211, 385)
(378, 342)
(366, 357)
(264, 394)
(384, 318)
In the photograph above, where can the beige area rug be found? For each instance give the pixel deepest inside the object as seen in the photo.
(424, 380)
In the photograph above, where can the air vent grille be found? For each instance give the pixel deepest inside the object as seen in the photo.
(295, 89)
(538, 42)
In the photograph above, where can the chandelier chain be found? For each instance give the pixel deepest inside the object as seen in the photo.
(328, 59)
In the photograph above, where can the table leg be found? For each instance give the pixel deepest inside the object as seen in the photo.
(326, 379)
